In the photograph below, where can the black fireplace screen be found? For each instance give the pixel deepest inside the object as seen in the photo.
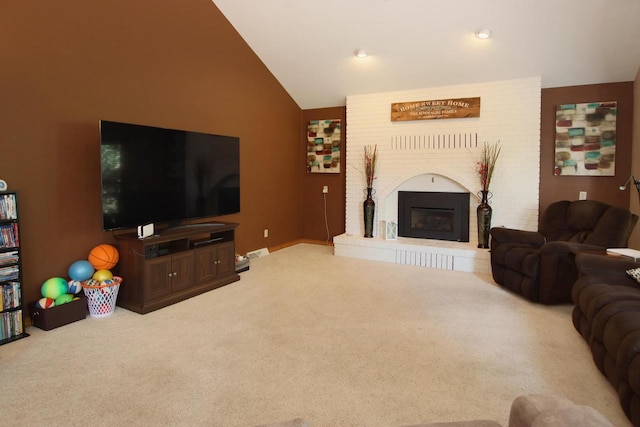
(432, 219)
(433, 215)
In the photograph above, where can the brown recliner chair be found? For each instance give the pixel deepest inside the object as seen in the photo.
(540, 265)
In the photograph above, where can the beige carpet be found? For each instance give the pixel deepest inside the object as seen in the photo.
(337, 341)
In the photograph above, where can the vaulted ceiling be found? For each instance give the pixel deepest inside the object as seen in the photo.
(309, 45)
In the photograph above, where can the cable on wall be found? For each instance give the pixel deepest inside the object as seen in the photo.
(326, 221)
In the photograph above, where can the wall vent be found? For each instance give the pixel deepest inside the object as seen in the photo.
(435, 141)
(258, 253)
(425, 259)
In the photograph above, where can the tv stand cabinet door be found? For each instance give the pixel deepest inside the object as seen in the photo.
(227, 259)
(157, 278)
(183, 272)
(215, 262)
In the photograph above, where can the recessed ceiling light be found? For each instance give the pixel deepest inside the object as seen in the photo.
(483, 33)
(360, 53)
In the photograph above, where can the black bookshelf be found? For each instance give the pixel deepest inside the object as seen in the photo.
(12, 312)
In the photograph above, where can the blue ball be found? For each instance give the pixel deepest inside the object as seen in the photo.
(81, 270)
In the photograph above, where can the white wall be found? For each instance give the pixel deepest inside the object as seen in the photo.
(510, 112)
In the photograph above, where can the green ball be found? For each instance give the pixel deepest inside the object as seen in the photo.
(54, 287)
(63, 299)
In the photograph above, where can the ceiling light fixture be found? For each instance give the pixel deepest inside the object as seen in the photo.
(483, 33)
(360, 53)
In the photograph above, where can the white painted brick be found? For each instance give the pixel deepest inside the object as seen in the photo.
(510, 112)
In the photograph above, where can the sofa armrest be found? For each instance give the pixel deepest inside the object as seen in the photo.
(570, 248)
(550, 410)
(604, 265)
(510, 235)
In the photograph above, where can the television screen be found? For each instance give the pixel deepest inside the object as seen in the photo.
(157, 175)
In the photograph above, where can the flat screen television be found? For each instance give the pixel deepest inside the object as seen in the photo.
(157, 175)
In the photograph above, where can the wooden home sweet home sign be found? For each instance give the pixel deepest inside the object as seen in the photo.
(457, 108)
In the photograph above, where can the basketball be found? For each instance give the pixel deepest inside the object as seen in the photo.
(54, 287)
(104, 257)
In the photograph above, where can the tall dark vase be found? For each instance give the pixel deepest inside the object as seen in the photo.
(484, 220)
(369, 207)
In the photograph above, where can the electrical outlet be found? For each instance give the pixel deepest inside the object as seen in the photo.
(582, 195)
(325, 189)
(266, 232)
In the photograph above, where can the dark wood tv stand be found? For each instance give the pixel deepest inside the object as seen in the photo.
(176, 264)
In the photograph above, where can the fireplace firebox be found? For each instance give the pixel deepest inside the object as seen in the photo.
(433, 215)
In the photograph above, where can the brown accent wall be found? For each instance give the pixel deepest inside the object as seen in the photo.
(69, 63)
(313, 206)
(634, 202)
(605, 189)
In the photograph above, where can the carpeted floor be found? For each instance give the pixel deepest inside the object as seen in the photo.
(337, 341)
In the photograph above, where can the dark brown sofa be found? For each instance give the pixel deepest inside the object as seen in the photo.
(541, 265)
(607, 315)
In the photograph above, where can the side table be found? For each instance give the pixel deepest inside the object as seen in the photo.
(629, 253)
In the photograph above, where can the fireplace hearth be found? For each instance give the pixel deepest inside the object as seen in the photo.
(433, 215)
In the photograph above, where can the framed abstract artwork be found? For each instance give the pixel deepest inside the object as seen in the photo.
(585, 142)
(323, 146)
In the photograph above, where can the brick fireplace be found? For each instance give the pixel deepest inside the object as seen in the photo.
(439, 156)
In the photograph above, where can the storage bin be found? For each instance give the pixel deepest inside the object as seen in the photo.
(59, 315)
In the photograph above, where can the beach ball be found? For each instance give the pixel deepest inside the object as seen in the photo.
(81, 270)
(104, 257)
(74, 286)
(63, 299)
(91, 282)
(54, 287)
(102, 275)
(45, 303)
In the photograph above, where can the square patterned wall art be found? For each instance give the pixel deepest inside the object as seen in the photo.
(586, 139)
(323, 146)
